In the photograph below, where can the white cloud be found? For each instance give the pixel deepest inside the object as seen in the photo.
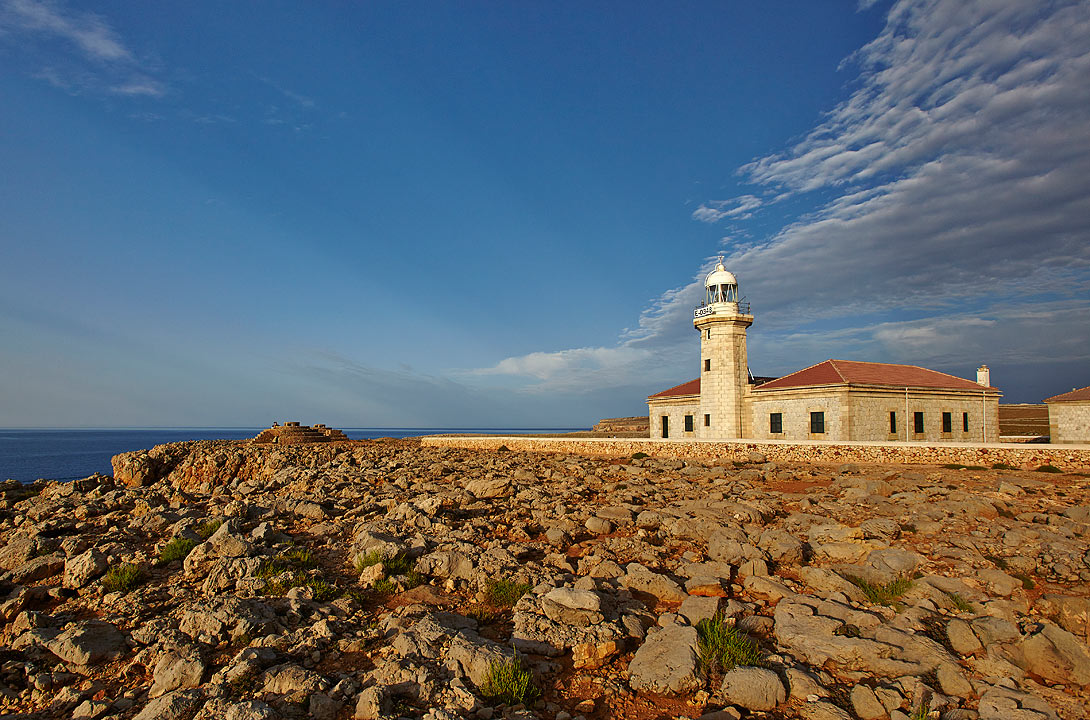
(90, 57)
(958, 178)
(140, 86)
(739, 208)
(89, 33)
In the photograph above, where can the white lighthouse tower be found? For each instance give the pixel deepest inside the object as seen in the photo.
(724, 368)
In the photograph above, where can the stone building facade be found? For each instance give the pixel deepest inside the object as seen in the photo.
(836, 400)
(1069, 417)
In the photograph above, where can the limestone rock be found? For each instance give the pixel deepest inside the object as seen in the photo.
(866, 704)
(82, 569)
(176, 671)
(753, 688)
(1055, 655)
(666, 663)
(640, 579)
(88, 643)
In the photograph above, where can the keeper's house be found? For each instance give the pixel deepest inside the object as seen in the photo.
(839, 400)
(1069, 417)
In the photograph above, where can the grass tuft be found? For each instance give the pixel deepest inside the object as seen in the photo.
(955, 466)
(722, 646)
(122, 578)
(501, 592)
(960, 603)
(321, 590)
(208, 528)
(176, 549)
(385, 586)
(1002, 466)
(300, 559)
(886, 594)
(1049, 469)
(483, 614)
(639, 455)
(921, 711)
(369, 558)
(508, 682)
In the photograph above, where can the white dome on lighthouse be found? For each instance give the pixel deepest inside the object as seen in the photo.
(720, 276)
(720, 286)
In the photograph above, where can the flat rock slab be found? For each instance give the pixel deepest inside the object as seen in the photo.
(667, 663)
(88, 643)
(753, 688)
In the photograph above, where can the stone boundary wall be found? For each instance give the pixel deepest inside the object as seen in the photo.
(1069, 457)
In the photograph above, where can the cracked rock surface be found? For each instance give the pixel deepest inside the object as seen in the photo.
(380, 579)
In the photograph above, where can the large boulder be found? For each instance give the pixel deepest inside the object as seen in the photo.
(753, 688)
(667, 662)
(1055, 655)
(176, 670)
(82, 569)
(88, 643)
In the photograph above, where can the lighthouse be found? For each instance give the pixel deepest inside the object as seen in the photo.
(722, 320)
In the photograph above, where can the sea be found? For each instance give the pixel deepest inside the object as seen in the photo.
(27, 455)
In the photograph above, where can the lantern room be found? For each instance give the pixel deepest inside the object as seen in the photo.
(720, 286)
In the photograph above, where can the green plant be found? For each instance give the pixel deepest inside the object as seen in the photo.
(999, 562)
(955, 466)
(508, 682)
(483, 614)
(413, 579)
(399, 564)
(960, 603)
(208, 528)
(321, 590)
(722, 647)
(848, 630)
(921, 711)
(639, 455)
(369, 558)
(501, 592)
(503, 448)
(385, 586)
(176, 549)
(1002, 466)
(122, 578)
(886, 594)
(975, 467)
(1049, 469)
(300, 558)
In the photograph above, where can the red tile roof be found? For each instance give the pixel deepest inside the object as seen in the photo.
(690, 388)
(1073, 396)
(851, 372)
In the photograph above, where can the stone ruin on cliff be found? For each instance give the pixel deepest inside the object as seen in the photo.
(292, 433)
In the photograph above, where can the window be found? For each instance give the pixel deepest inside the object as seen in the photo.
(688, 423)
(965, 422)
(666, 426)
(707, 364)
(917, 421)
(709, 334)
(947, 422)
(817, 422)
(707, 420)
(892, 423)
(775, 423)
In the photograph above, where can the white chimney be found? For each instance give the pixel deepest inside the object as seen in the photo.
(984, 376)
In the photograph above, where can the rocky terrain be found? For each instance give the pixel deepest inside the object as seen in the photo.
(384, 580)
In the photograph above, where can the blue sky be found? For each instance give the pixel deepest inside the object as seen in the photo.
(491, 214)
